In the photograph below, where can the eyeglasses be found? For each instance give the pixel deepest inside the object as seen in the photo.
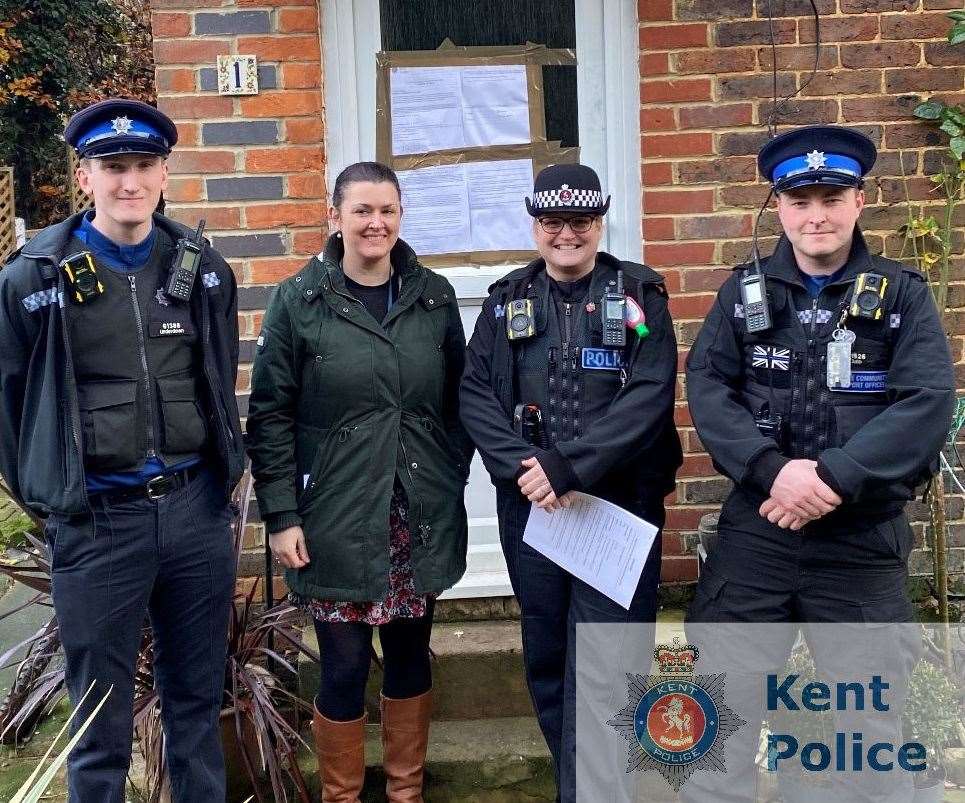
(554, 225)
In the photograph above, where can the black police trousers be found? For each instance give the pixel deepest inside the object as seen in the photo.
(552, 603)
(172, 560)
(758, 583)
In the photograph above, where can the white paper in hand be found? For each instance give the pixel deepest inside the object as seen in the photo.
(598, 542)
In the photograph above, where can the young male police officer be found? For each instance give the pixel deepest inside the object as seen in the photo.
(119, 424)
(827, 416)
(606, 424)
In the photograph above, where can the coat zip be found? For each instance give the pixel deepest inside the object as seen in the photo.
(423, 527)
(151, 452)
(566, 390)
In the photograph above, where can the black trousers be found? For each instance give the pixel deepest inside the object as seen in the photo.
(758, 583)
(552, 603)
(172, 560)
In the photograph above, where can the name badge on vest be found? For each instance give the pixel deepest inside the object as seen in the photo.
(866, 382)
(169, 320)
(602, 359)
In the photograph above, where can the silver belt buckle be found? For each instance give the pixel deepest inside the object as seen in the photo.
(152, 489)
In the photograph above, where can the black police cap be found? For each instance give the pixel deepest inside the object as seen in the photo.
(817, 154)
(567, 188)
(118, 126)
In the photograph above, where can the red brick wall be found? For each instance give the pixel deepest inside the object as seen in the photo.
(705, 68)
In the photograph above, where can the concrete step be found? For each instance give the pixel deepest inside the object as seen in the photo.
(477, 672)
(501, 760)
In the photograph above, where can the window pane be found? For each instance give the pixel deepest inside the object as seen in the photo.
(424, 24)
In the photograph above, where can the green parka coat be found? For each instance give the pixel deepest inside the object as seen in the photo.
(340, 405)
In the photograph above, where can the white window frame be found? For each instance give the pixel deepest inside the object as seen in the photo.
(608, 98)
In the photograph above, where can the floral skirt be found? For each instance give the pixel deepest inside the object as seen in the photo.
(400, 601)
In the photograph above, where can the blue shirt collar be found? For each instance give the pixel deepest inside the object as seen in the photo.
(815, 284)
(127, 258)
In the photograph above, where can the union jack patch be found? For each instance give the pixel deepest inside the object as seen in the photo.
(777, 359)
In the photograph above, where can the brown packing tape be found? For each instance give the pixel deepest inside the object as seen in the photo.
(537, 112)
(450, 55)
(478, 259)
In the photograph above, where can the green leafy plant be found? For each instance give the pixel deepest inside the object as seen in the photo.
(932, 713)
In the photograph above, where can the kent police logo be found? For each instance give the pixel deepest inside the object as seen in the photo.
(675, 722)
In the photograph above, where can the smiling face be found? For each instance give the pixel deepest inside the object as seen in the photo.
(369, 217)
(126, 190)
(819, 221)
(568, 254)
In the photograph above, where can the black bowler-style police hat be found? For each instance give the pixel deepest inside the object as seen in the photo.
(120, 125)
(567, 188)
(817, 154)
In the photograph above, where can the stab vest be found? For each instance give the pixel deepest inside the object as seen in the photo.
(133, 356)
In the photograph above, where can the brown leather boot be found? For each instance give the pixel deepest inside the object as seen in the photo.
(340, 749)
(405, 736)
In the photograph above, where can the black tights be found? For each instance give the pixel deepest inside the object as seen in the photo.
(346, 651)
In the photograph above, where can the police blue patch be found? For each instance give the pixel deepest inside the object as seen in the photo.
(603, 359)
(866, 382)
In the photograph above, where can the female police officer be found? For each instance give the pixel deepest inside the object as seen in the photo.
(607, 415)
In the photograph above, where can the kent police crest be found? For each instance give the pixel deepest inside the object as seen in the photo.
(675, 722)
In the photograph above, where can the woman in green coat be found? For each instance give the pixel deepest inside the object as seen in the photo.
(360, 464)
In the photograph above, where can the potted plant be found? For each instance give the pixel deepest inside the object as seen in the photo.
(932, 716)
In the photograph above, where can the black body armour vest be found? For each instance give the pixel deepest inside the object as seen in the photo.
(565, 368)
(134, 360)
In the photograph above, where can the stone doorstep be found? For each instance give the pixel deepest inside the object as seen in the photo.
(477, 672)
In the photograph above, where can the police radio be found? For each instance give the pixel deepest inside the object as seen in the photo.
(81, 274)
(614, 313)
(757, 313)
(184, 269)
(869, 296)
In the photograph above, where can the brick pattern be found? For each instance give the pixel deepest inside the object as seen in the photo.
(706, 92)
(254, 166)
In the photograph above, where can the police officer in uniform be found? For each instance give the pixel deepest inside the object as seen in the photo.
(589, 416)
(827, 409)
(119, 425)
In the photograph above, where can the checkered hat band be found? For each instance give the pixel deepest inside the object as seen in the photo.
(555, 199)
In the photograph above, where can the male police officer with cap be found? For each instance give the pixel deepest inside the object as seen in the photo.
(596, 405)
(119, 424)
(807, 406)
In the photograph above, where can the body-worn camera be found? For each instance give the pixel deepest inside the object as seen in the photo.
(520, 320)
(869, 296)
(81, 275)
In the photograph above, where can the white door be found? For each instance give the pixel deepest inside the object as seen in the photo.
(608, 103)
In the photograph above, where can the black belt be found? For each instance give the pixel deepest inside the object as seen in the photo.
(154, 489)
